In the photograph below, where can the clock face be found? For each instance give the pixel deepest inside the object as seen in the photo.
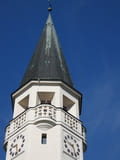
(17, 145)
(71, 146)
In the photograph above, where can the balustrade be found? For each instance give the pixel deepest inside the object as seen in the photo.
(71, 122)
(45, 111)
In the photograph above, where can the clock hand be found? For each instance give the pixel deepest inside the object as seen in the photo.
(74, 149)
(72, 145)
(16, 146)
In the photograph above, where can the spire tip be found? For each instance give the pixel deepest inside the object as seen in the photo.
(49, 6)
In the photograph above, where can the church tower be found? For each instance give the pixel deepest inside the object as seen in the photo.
(46, 108)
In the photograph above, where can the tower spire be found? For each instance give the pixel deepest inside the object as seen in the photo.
(48, 62)
(49, 6)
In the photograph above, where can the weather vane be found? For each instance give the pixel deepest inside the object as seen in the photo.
(49, 6)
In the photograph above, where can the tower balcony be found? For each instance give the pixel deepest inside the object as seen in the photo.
(49, 114)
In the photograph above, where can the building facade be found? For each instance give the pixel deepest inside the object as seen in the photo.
(46, 108)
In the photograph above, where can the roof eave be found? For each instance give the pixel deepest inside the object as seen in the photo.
(60, 82)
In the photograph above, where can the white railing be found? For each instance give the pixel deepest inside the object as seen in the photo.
(45, 111)
(41, 112)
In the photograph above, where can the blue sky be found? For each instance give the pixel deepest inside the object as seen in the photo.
(89, 33)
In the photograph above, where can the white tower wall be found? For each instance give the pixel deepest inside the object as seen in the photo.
(50, 112)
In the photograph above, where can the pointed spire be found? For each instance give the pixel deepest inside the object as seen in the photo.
(49, 20)
(48, 62)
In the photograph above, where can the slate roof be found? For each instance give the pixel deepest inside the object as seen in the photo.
(48, 62)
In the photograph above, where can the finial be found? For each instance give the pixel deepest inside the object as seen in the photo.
(49, 6)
